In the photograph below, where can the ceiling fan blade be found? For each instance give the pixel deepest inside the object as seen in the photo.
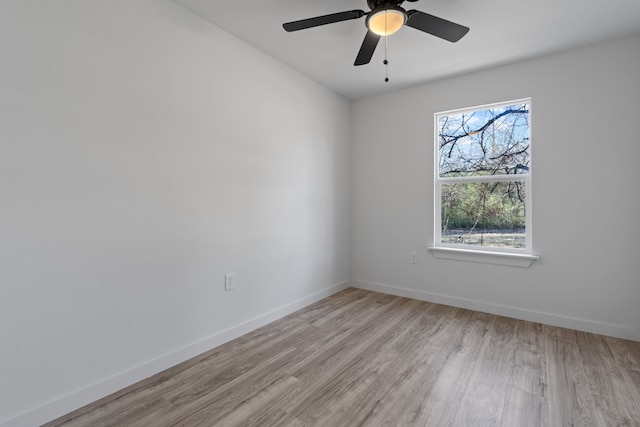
(323, 20)
(368, 47)
(438, 27)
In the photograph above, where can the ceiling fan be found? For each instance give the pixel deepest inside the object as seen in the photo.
(385, 18)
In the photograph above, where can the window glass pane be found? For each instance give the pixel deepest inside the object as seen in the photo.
(483, 214)
(492, 141)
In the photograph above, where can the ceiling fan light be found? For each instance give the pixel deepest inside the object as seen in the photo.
(386, 21)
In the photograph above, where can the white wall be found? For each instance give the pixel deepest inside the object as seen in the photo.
(586, 215)
(143, 154)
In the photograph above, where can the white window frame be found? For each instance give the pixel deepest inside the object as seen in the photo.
(518, 257)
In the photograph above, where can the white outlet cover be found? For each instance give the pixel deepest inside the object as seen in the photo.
(229, 282)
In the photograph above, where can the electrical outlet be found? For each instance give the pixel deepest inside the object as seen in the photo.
(414, 257)
(229, 282)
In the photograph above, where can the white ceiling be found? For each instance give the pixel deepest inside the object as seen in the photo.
(502, 31)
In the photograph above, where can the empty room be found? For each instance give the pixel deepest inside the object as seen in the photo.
(319, 213)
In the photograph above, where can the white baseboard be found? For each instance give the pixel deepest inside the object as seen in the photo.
(79, 398)
(610, 330)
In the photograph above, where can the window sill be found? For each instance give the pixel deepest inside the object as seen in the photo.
(469, 255)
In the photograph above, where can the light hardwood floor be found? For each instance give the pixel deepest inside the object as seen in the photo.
(361, 358)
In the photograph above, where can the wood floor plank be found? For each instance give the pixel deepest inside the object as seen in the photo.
(449, 359)
(371, 398)
(484, 398)
(528, 371)
(248, 409)
(625, 353)
(340, 368)
(632, 381)
(523, 409)
(362, 358)
(610, 399)
(207, 403)
(568, 388)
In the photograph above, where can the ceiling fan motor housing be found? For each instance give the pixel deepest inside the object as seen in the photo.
(376, 4)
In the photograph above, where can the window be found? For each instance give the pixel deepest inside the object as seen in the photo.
(483, 179)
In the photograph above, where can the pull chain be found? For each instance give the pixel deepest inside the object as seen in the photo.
(385, 62)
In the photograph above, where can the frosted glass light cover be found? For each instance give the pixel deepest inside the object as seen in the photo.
(386, 22)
